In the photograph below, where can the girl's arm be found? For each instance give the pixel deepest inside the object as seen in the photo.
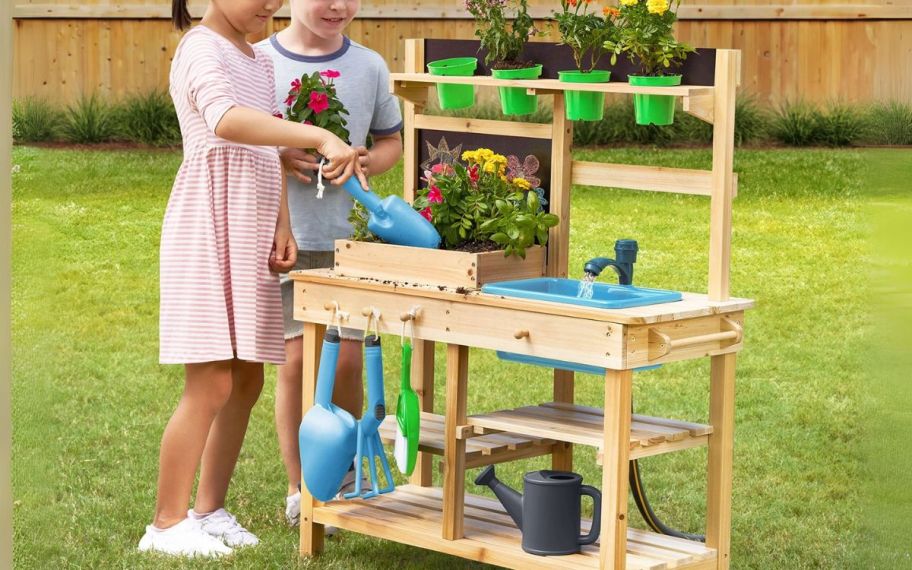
(384, 153)
(250, 126)
(284, 249)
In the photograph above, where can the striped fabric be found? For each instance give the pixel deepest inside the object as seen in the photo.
(218, 298)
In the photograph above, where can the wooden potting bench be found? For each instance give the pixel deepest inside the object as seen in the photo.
(701, 325)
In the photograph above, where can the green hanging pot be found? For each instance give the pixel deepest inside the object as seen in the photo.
(585, 105)
(453, 96)
(515, 100)
(654, 109)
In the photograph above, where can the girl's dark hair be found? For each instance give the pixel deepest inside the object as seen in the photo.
(180, 15)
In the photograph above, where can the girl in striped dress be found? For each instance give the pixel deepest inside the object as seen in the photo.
(226, 235)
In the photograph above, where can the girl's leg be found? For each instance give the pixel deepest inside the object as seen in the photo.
(226, 436)
(348, 392)
(288, 410)
(206, 389)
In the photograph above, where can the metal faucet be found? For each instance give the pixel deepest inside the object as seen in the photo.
(625, 253)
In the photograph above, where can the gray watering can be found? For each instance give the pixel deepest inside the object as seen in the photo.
(392, 219)
(548, 513)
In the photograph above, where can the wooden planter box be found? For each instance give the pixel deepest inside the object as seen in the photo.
(434, 266)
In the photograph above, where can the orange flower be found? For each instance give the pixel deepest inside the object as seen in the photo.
(572, 2)
(609, 11)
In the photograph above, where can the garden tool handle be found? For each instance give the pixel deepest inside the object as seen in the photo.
(376, 404)
(367, 198)
(326, 375)
(596, 527)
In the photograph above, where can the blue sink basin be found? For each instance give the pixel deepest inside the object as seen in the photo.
(604, 295)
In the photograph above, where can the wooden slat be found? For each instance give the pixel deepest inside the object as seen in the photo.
(457, 370)
(483, 126)
(615, 468)
(311, 533)
(397, 10)
(423, 384)
(649, 178)
(719, 464)
(414, 62)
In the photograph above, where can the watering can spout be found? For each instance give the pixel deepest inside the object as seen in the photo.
(510, 499)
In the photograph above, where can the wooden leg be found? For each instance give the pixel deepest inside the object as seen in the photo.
(615, 468)
(311, 533)
(562, 455)
(457, 369)
(719, 470)
(423, 384)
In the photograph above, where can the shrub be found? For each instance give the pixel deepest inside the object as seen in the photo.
(90, 120)
(750, 120)
(796, 123)
(889, 123)
(839, 125)
(149, 119)
(35, 120)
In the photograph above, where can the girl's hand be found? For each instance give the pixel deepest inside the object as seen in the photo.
(343, 161)
(364, 159)
(284, 250)
(300, 163)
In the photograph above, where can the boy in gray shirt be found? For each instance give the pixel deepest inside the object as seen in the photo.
(314, 42)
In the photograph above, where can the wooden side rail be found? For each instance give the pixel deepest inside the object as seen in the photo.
(664, 344)
(483, 126)
(648, 178)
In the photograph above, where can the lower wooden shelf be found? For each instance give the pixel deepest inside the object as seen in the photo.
(483, 450)
(412, 515)
(584, 425)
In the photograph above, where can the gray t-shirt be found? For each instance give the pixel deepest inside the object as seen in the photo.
(363, 88)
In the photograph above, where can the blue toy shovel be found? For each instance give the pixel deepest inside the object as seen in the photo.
(370, 446)
(393, 220)
(328, 435)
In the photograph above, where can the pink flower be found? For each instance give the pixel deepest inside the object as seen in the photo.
(308, 123)
(426, 213)
(289, 101)
(296, 85)
(473, 173)
(319, 102)
(330, 73)
(434, 196)
(442, 168)
(278, 115)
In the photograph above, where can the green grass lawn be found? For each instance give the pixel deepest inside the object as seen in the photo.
(90, 400)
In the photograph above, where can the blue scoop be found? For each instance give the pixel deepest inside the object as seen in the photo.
(392, 219)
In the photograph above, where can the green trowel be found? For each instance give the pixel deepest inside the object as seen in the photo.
(408, 416)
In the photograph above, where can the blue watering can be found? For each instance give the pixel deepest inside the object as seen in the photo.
(370, 447)
(392, 219)
(328, 435)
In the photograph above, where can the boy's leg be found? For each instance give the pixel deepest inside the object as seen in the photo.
(288, 411)
(227, 435)
(206, 389)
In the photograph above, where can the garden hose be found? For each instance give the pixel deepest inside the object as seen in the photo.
(642, 503)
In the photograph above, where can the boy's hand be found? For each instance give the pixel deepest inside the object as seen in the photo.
(364, 158)
(343, 161)
(300, 163)
(284, 250)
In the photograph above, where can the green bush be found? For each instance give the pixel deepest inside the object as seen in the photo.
(90, 120)
(796, 124)
(35, 120)
(889, 123)
(751, 120)
(840, 125)
(149, 119)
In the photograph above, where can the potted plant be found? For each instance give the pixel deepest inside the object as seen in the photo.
(504, 40)
(454, 96)
(312, 100)
(585, 33)
(645, 33)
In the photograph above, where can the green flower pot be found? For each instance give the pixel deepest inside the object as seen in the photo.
(654, 109)
(515, 100)
(453, 96)
(585, 105)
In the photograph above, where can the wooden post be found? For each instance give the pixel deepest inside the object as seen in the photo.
(615, 469)
(559, 201)
(414, 63)
(728, 69)
(311, 540)
(423, 384)
(457, 375)
(562, 454)
(720, 452)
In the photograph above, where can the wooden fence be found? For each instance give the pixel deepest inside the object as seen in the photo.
(813, 50)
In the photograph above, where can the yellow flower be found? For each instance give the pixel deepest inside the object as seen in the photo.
(470, 156)
(490, 167)
(522, 183)
(484, 154)
(657, 6)
(629, 2)
(498, 159)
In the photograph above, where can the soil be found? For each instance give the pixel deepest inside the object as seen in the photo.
(478, 247)
(512, 64)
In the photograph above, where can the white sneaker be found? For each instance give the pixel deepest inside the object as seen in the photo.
(186, 538)
(222, 525)
(293, 514)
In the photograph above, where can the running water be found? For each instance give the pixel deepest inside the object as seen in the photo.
(585, 286)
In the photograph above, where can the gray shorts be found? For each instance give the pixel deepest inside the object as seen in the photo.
(306, 260)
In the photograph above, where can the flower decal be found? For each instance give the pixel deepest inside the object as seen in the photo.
(526, 170)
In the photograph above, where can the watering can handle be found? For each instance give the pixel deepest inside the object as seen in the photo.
(596, 514)
(367, 198)
(326, 375)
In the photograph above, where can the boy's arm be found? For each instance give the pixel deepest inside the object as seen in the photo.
(384, 153)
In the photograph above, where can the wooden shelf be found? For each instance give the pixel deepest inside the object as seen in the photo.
(482, 450)
(412, 515)
(401, 81)
(584, 425)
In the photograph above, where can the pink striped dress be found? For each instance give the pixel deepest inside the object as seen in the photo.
(219, 299)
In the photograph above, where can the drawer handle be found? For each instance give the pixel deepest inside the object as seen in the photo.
(735, 333)
(521, 333)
